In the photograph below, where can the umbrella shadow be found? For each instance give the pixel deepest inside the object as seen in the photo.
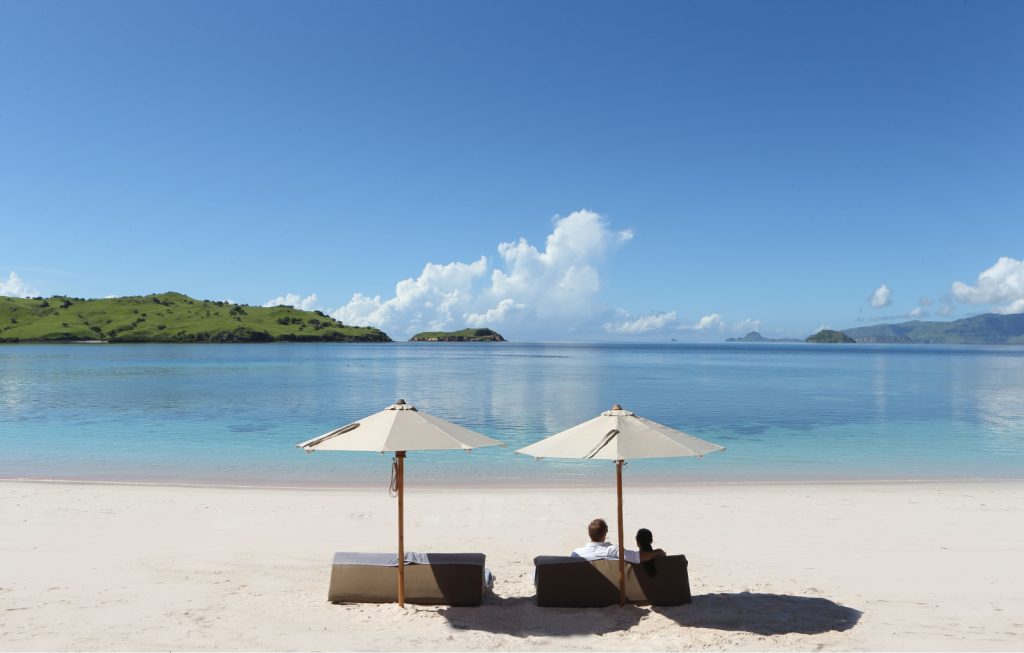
(521, 617)
(763, 614)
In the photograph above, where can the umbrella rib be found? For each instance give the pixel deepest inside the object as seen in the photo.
(608, 437)
(327, 436)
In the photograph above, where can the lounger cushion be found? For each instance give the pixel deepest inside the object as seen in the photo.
(574, 582)
(430, 578)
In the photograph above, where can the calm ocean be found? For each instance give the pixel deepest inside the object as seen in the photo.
(231, 414)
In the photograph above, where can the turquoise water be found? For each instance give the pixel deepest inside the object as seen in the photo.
(231, 414)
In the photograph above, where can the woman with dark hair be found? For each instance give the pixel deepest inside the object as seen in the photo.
(645, 542)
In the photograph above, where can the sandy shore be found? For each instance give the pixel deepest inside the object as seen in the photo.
(901, 566)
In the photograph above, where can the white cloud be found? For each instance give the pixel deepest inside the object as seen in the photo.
(295, 301)
(643, 324)
(438, 293)
(1003, 282)
(652, 322)
(713, 321)
(880, 298)
(1013, 307)
(495, 315)
(526, 287)
(916, 312)
(15, 286)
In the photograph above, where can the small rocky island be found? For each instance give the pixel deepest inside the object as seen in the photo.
(465, 335)
(755, 336)
(830, 336)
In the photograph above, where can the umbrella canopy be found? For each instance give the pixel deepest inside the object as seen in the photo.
(399, 428)
(619, 435)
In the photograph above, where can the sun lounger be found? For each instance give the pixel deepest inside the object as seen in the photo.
(577, 583)
(430, 578)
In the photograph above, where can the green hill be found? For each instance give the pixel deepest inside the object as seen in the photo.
(465, 335)
(168, 317)
(830, 336)
(987, 329)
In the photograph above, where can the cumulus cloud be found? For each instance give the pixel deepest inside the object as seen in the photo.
(880, 298)
(495, 315)
(643, 324)
(713, 321)
(432, 300)
(1013, 307)
(308, 303)
(525, 286)
(654, 322)
(1003, 282)
(15, 286)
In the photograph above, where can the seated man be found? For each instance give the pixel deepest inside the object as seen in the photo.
(599, 549)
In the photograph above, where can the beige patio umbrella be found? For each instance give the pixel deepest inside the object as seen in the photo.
(399, 428)
(619, 435)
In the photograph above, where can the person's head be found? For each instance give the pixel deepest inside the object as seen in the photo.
(598, 530)
(644, 539)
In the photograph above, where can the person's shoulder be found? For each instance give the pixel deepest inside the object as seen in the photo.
(580, 552)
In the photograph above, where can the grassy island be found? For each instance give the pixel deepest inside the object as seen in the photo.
(830, 336)
(168, 317)
(465, 335)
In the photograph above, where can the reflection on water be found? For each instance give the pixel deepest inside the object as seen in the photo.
(232, 413)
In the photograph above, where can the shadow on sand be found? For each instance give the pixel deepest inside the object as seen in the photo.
(763, 614)
(760, 614)
(520, 616)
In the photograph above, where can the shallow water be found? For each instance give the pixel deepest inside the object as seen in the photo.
(231, 414)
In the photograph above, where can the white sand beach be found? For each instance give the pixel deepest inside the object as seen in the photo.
(872, 566)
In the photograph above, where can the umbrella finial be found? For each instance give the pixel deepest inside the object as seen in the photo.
(616, 407)
(401, 405)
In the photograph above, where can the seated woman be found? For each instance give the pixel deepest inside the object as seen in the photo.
(645, 542)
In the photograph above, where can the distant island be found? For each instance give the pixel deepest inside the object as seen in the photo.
(829, 336)
(465, 335)
(987, 329)
(168, 317)
(755, 336)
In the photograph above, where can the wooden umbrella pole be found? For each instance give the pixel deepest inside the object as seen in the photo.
(622, 544)
(400, 457)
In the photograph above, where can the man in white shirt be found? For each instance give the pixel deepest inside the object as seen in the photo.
(599, 549)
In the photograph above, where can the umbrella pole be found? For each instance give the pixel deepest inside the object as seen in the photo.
(400, 457)
(622, 544)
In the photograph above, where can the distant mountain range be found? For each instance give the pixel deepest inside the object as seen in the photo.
(987, 329)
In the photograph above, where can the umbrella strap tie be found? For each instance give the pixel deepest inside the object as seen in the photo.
(393, 487)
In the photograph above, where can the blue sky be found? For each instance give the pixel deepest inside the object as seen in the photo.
(554, 170)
